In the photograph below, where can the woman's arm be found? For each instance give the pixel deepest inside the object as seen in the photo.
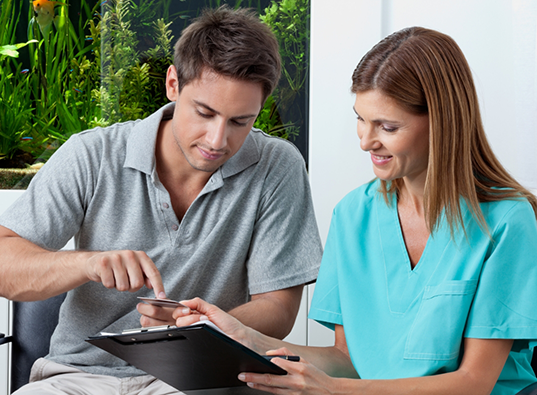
(320, 368)
(335, 360)
(482, 363)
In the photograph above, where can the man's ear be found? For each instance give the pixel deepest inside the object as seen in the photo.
(172, 84)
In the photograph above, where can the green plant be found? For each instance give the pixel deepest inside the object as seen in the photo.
(132, 84)
(289, 20)
(107, 63)
(270, 122)
(15, 107)
(13, 50)
(61, 104)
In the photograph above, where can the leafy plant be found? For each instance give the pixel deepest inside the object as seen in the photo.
(15, 108)
(289, 20)
(13, 50)
(270, 122)
(107, 63)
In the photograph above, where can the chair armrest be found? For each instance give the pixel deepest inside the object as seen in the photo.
(529, 390)
(5, 339)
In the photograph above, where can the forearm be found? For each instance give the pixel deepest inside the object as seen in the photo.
(273, 313)
(262, 315)
(481, 365)
(330, 360)
(459, 382)
(30, 272)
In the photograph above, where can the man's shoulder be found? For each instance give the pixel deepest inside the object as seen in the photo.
(116, 133)
(274, 146)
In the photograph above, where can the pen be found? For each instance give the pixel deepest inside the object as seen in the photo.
(294, 358)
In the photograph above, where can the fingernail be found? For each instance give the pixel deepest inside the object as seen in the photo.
(186, 311)
(204, 318)
(242, 377)
(162, 295)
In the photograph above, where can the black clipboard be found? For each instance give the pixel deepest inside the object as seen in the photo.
(195, 357)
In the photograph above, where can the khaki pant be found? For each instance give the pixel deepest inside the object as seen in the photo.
(48, 377)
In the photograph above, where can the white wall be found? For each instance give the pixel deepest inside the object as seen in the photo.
(6, 199)
(4, 349)
(499, 39)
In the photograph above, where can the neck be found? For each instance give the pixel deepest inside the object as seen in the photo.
(411, 196)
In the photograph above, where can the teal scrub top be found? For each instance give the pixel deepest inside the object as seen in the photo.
(403, 322)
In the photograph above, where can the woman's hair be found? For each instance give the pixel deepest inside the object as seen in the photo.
(425, 72)
(233, 43)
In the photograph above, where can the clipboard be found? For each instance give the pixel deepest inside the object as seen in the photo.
(195, 357)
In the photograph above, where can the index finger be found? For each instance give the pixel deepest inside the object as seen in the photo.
(153, 278)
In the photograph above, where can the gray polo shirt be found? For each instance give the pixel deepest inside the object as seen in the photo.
(250, 230)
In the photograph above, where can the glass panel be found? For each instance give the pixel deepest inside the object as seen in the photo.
(93, 63)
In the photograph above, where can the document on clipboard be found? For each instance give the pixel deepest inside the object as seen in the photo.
(195, 359)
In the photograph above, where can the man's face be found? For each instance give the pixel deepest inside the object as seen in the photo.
(213, 115)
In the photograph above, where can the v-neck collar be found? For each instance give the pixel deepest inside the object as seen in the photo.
(404, 284)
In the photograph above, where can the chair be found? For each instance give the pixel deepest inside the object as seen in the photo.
(33, 324)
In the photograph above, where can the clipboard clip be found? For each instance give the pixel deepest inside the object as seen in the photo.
(147, 329)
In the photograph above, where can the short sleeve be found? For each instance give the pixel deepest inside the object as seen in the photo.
(325, 305)
(286, 248)
(505, 303)
(51, 210)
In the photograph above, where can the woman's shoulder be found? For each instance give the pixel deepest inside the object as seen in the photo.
(508, 211)
(364, 195)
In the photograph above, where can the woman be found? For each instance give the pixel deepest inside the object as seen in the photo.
(428, 276)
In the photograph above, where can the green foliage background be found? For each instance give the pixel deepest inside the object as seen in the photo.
(108, 64)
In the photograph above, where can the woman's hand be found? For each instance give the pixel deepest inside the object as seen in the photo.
(201, 310)
(302, 377)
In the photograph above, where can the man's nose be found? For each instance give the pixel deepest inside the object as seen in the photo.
(216, 137)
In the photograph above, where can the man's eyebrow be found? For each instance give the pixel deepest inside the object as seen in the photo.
(205, 106)
(246, 116)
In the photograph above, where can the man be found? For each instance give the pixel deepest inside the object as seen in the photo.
(190, 202)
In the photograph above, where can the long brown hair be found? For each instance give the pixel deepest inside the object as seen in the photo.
(426, 73)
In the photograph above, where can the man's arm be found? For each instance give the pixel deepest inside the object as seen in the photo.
(271, 313)
(30, 272)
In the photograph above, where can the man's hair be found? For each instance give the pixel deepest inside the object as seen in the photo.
(425, 72)
(232, 43)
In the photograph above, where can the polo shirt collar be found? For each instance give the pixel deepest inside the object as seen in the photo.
(140, 153)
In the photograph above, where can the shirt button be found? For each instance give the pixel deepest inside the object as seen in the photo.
(175, 227)
(165, 205)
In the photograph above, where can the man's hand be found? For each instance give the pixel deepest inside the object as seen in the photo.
(125, 271)
(156, 315)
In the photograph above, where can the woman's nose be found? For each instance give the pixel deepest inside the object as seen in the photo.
(368, 138)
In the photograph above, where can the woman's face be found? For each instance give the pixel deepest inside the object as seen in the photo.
(397, 140)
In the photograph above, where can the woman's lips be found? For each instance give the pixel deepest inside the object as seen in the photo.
(380, 160)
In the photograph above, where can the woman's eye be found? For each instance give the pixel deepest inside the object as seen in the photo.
(389, 129)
